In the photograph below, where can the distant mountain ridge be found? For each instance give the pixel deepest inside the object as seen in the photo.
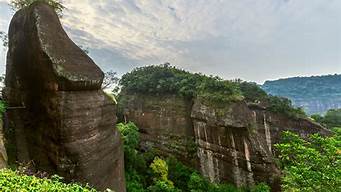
(316, 94)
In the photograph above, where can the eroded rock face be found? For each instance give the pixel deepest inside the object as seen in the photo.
(165, 123)
(270, 126)
(234, 142)
(228, 146)
(61, 119)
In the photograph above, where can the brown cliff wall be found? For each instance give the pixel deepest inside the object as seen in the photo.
(233, 142)
(270, 126)
(165, 123)
(61, 119)
(229, 148)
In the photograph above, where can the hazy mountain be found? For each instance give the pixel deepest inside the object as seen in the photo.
(315, 94)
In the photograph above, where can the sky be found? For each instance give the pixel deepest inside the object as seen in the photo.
(254, 40)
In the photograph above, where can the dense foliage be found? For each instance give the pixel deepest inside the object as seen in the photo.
(316, 94)
(283, 105)
(13, 181)
(165, 79)
(150, 172)
(2, 108)
(331, 119)
(252, 92)
(312, 165)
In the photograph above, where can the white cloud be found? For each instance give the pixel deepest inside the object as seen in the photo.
(255, 40)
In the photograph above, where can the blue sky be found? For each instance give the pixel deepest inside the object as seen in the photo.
(254, 40)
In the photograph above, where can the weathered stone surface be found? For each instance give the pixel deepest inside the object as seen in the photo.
(233, 141)
(164, 123)
(270, 126)
(228, 146)
(61, 119)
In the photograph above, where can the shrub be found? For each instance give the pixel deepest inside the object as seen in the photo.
(13, 181)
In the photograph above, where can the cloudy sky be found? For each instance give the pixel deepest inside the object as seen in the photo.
(253, 40)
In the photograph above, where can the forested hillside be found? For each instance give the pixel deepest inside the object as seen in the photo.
(315, 94)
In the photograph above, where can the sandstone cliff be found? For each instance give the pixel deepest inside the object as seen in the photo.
(233, 141)
(62, 121)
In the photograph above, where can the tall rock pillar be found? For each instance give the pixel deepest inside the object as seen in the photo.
(61, 118)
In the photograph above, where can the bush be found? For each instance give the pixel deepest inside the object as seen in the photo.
(13, 181)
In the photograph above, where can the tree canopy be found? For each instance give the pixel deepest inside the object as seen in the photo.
(167, 79)
(312, 165)
(331, 119)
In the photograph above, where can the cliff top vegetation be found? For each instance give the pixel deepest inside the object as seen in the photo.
(167, 79)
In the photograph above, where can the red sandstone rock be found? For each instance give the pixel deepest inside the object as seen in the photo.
(61, 119)
(233, 141)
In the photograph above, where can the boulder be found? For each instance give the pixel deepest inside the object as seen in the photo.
(61, 118)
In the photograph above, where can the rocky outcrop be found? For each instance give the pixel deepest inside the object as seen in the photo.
(228, 147)
(233, 141)
(270, 126)
(61, 118)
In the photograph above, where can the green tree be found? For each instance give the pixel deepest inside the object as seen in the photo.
(311, 165)
(317, 117)
(252, 92)
(284, 106)
(160, 169)
(332, 118)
